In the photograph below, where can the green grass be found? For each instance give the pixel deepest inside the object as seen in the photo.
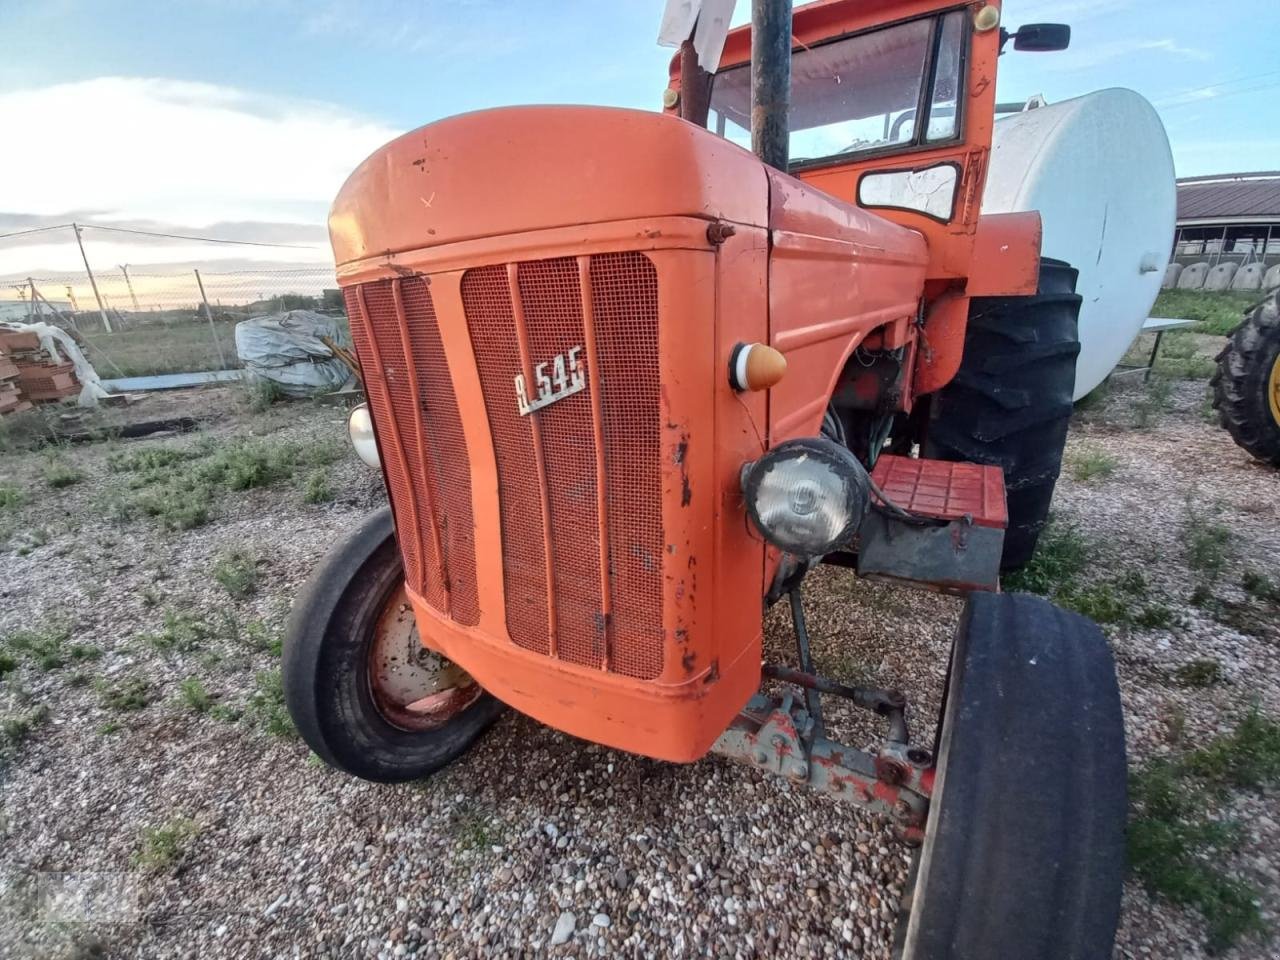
(11, 498)
(1202, 672)
(1207, 543)
(236, 571)
(44, 645)
(260, 394)
(265, 708)
(1177, 838)
(180, 633)
(58, 473)
(317, 488)
(163, 847)
(16, 728)
(155, 348)
(194, 696)
(1260, 586)
(125, 695)
(179, 485)
(1057, 571)
(1216, 313)
(1156, 399)
(1092, 463)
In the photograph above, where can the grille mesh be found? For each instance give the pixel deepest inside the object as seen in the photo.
(446, 449)
(624, 290)
(434, 474)
(549, 292)
(434, 478)
(487, 303)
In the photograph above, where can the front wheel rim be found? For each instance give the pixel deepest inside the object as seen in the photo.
(1273, 391)
(413, 687)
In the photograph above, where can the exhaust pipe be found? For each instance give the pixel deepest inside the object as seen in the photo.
(771, 80)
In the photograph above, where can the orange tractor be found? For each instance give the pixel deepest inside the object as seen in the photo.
(628, 381)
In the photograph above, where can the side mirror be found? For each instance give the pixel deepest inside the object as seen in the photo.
(1042, 37)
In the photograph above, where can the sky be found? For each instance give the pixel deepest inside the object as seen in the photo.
(241, 118)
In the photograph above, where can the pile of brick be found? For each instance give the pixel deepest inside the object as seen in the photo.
(29, 375)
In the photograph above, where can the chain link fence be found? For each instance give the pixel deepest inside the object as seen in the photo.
(151, 322)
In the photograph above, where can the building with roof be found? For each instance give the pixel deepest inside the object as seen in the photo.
(1228, 233)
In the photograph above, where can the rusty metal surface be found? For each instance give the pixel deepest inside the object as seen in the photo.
(778, 736)
(414, 687)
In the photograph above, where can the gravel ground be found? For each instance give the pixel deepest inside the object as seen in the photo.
(534, 842)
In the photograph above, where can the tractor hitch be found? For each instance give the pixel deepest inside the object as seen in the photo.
(787, 738)
(777, 735)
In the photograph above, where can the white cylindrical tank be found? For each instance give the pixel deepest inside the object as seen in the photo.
(1099, 170)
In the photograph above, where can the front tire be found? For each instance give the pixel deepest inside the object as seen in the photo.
(1024, 847)
(1246, 385)
(335, 664)
(1009, 405)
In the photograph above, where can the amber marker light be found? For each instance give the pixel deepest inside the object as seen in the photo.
(755, 366)
(988, 18)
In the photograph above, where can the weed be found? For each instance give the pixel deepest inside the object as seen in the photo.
(44, 646)
(237, 572)
(194, 696)
(125, 695)
(58, 473)
(224, 713)
(1260, 586)
(16, 728)
(1198, 673)
(318, 488)
(1092, 463)
(265, 708)
(163, 847)
(178, 505)
(150, 460)
(8, 663)
(11, 497)
(1206, 543)
(472, 829)
(1175, 842)
(1154, 402)
(108, 728)
(1060, 556)
(1156, 616)
(27, 431)
(1098, 602)
(181, 633)
(261, 637)
(260, 394)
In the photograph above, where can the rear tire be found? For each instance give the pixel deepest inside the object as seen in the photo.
(327, 675)
(1009, 405)
(1024, 846)
(1246, 385)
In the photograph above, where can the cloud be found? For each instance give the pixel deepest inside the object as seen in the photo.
(177, 151)
(457, 29)
(177, 157)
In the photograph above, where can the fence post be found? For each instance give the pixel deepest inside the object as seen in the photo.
(106, 324)
(222, 360)
(129, 283)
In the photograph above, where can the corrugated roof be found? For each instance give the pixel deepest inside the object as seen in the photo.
(1229, 195)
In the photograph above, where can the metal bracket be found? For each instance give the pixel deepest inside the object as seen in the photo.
(776, 736)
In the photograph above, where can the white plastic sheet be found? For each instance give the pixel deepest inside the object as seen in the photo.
(286, 349)
(712, 18)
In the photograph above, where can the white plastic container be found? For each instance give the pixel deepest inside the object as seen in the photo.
(1099, 170)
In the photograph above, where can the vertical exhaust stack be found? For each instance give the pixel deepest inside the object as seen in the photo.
(770, 80)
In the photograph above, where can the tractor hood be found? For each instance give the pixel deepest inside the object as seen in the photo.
(516, 169)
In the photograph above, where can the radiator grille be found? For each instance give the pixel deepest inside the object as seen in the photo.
(548, 463)
(420, 433)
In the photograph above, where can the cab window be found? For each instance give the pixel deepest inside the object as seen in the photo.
(862, 93)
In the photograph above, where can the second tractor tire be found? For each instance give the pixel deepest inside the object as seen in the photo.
(1246, 385)
(1009, 404)
(1024, 851)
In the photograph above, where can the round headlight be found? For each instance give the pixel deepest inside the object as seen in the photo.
(360, 426)
(807, 497)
